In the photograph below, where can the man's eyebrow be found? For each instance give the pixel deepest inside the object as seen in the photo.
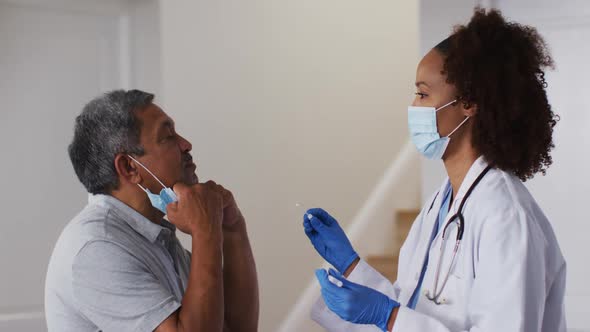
(167, 123)
(422, 83)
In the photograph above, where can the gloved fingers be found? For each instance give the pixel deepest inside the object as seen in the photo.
(337, 275)
(307, 225)
(329, 300)
(322, 215)
(307, 228)
(317, 224)
(325, 283)
(307, 217)
(322, 277)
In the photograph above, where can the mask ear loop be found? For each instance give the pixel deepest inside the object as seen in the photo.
(459, 126)
(152, 174)
(445, 105)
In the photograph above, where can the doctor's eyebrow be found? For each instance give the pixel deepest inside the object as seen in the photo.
(421, 83)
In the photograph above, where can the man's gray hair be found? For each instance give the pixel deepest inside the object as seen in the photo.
(107, 126)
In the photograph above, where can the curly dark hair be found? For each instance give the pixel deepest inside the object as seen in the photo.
(498, 66)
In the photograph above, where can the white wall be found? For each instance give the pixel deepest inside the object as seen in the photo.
(144, 62)
(563, 193)
(291, 101)
(55, 56)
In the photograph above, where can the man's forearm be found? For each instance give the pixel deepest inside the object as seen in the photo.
(240, 282)
(202, 304)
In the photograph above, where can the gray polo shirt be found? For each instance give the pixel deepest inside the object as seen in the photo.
(114, 270)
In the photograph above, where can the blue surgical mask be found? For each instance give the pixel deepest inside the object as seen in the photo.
(165, 197)
(424, 131)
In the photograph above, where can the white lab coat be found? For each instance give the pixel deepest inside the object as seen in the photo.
(509, 273)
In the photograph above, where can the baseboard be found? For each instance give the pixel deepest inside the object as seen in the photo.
(23, 322)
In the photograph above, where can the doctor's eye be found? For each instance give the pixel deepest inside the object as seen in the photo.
(421, 95)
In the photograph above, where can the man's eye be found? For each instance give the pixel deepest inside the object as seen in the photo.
(421, 95)
(167, 138)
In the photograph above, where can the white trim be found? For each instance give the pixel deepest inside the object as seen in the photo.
(102, 7)
(22, 316)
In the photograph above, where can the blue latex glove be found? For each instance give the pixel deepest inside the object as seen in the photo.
(355, 303)
(329, 239)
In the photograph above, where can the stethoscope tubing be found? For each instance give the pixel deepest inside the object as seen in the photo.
(460, 220)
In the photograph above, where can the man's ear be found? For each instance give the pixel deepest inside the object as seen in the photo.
(127, 169)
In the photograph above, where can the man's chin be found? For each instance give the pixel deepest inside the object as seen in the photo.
(191, 179)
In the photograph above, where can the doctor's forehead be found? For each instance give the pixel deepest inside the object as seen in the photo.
(429, 71)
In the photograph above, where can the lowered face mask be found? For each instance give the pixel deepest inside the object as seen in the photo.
(166, 195)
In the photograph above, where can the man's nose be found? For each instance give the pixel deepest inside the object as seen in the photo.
(185, 146)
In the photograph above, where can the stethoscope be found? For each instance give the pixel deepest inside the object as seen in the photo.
(435, 296)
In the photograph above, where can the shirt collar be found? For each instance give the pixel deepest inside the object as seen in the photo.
(134, 219)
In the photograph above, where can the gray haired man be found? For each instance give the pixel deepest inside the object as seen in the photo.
(118, 265)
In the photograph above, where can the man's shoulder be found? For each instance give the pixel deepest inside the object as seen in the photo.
(100, 223)
(93, 224)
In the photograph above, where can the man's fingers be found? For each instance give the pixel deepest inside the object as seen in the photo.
(172, 207)
(211, 185)
(228, 197)
(180, 189)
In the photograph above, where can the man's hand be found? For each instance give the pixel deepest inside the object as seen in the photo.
(240, 281)
(232, 216)
(199, 210)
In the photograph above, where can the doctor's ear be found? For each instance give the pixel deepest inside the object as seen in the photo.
(127, 169)
(469, 109)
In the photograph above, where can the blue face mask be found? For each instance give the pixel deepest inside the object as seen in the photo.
(424, 131)
(165, 197)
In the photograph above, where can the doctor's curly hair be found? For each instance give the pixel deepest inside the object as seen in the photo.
(499, 67)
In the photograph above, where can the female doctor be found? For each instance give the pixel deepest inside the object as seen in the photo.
(481, 256)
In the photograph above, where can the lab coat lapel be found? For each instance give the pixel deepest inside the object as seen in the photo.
(435, 250)
(428, 226)
(474, 171)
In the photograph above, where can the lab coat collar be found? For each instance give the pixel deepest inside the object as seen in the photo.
(478, 166)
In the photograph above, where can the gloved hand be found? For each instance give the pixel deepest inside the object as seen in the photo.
(355, 303)
(329, 239)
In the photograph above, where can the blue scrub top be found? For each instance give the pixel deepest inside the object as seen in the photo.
(442, 215)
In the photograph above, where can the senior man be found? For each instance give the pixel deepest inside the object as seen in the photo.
(118, 265)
